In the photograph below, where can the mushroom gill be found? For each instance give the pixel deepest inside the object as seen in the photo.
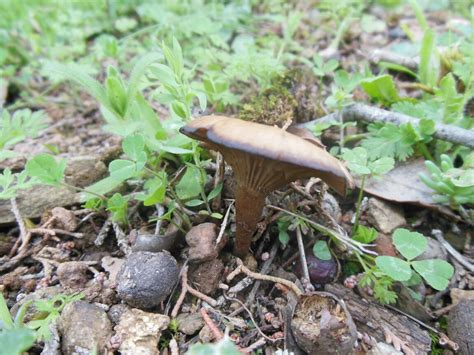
(263, 158)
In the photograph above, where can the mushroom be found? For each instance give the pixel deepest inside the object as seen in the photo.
(263, 158)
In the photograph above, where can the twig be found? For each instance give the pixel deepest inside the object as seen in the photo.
(212, 326)
(19, 220)
(350, 243)
(380, 55)
(185, 288)
(251, 318)
(174, 349)
(258, 276)
(55, 231)
(159, 210)
(218, 178)
(361, 112)
(182, 295)
(249, 349)
(453, 252)
(224, 224)
(302, 253)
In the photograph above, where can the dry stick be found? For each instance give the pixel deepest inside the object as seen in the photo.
(19, 220)
(186, 288)
(212, 326)
(174, 349)
(249, 349)
(380, 55)
(218, 178)
(361, 112)
(304, 265)
(251, 318)
(453, 252)
(258, 276)
(224, 224)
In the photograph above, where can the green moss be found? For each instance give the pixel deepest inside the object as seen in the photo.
(293, 96)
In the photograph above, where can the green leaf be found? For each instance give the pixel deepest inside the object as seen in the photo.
(190, 184)
(46, 169)
(223, 347)
(116, 95)
(381, 88)
(409, 244)
(179, 109)
(118, 205)
(436, 273)
(134, 147)
(216, 215)
(194, 203)
(164, 74)
(92, 86)
(365, 234)
(357, 160)
(5, 317)
(429, 59)
(139, 69)
(16, 341)
(397, 269)
(388, 141)
(121, 169)
(101, 187)
(381, 166)
(215, 191)
(321, 250)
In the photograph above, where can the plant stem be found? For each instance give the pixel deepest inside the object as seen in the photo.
(359, 203)
(80, 189)
(424, 150)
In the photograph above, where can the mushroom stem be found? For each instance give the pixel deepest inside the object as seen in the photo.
(248, 205)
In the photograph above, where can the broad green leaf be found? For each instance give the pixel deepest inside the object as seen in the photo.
(190, 184)
(429, 59)
(216, 191)
(365, 234)
(397, 269)
(194, 203)
(217, 215)
(409, 244)
(155, 190)
(116, 95)
(92, 86)
(121, 169)
(179, 109)
(101, 187)
(16, 341)
(223, 347)
(164, 74)
(381, 88)
(436, 273)
(134, 147)
(118, 205)
(357, 160)
(321, 250)
(5, 317)
(381, 166)
(140, 67)
(46, 169)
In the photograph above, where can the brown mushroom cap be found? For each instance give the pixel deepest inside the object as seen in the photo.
(288, 156)
(264, 158)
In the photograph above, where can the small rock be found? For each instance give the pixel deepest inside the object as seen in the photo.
(434, 251)
(384, 216)
(140, 332)
(112, 266)
(384, 245)
(206, 276)
(72, 274)
(83, 171)
(461, 326)
(84, 326)
(190, 323)
(116, 311)
(206, 335)
(64, 219)
(383, 349)
(146, 279)
(202, 243)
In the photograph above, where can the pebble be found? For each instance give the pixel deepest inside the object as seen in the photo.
(84, 326)
(146, 279)
(206, 276)
(190, 323)
(202, 243)
(72, 274)
(385, 216)
(139, 332)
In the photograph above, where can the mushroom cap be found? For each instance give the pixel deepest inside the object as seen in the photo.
(287, 156)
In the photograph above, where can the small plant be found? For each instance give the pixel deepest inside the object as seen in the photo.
(360, 164)
(223, 347)
(435, 272)
(452, 186)
(15, 337)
